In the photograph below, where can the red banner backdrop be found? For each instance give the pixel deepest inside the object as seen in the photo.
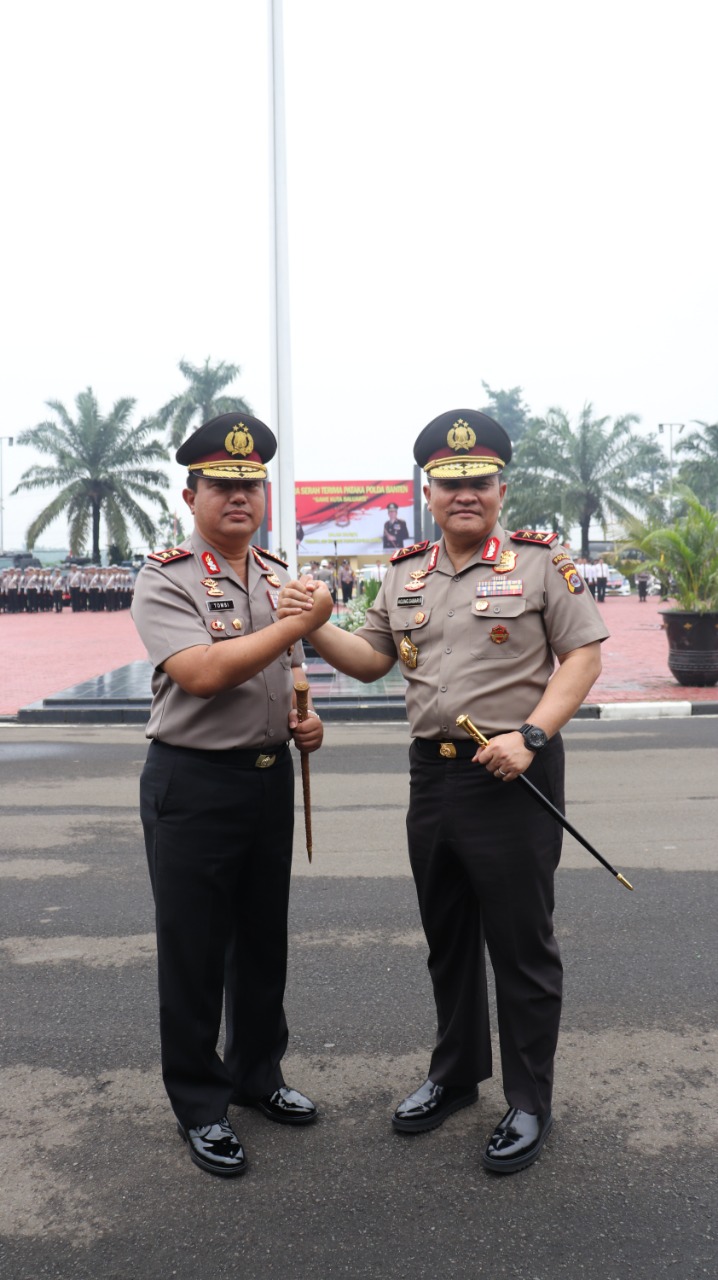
(353, 517)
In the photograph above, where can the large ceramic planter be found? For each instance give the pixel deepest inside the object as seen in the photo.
(692, 646)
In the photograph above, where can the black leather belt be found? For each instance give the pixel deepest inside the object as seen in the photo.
(448, 749)
(239, 757)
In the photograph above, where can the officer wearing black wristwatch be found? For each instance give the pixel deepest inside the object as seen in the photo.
(498, 626)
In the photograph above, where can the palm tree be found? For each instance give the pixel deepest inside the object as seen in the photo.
(700, 469)
(565, 476)
(201, 400)
(100, 467)
(507, 407)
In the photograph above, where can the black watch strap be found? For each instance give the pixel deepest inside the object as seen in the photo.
(534, 737)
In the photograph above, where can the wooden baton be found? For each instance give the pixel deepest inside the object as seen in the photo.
(302, 692)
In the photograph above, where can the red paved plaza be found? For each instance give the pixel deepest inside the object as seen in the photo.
(43, 653)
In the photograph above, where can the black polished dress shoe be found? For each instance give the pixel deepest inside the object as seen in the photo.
(215, 1148)
(516, 1141)
(286, 1106)
(430, 1105)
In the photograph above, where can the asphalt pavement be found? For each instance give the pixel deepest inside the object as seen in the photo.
(95, 1181)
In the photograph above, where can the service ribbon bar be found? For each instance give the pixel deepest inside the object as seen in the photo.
(500, 587)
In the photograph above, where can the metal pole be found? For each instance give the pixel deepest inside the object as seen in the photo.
(2, 501)
(284, 518)
(670, 426)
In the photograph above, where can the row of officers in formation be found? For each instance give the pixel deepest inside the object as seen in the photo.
(89, 589)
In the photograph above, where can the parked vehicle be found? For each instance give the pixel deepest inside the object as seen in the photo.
(617, 585)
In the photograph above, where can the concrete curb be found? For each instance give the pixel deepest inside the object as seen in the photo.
(645, 710)
(333, 712)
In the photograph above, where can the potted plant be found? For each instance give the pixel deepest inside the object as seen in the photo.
(687, 551)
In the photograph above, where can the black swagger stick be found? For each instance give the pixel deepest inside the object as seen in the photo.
(469, 727)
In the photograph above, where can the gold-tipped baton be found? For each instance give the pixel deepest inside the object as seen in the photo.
(469, 727)
(301, 689)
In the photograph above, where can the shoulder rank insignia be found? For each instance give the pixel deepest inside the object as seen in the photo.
(271, 556)
(541, 537)
(403, 552)
(166, 557)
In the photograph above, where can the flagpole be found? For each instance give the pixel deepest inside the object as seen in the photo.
(283, 500)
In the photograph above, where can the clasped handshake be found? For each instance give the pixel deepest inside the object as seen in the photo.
(303, 595)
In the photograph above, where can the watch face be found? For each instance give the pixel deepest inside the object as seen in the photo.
(535, 738)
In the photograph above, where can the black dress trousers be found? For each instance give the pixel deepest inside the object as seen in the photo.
(483, 853)
(218, 834)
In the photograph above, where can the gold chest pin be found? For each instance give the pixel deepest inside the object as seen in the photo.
(408, 653)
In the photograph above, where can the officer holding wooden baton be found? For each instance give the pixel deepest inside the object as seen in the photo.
(217, 793)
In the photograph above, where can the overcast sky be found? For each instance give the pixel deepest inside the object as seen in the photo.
(523, 193)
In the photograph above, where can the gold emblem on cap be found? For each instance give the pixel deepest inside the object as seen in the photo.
(461, 436)
(239, 440)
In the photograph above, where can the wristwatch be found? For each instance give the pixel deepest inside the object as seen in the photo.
(534, 737)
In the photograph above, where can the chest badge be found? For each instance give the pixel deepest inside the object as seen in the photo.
(481, 606)
(408, 653)
(214, 591)
(507, 562)
(419, 618)
(273, 580)
(237, 624)
(216, 625)
(417, 584)
(499, 634)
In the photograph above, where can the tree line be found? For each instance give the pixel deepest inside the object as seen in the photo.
(105, 467)
(562, 475)
(567, 474)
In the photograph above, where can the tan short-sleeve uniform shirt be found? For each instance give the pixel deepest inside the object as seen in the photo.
(486, 637)
(199, 600)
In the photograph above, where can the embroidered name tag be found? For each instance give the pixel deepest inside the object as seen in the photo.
(500, 587)
(215, 606)
(406, 602)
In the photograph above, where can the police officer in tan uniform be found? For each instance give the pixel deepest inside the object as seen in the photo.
(478, 620)
(217, 794)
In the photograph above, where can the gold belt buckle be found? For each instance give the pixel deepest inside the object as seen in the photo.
(447, 750)
(264, 761)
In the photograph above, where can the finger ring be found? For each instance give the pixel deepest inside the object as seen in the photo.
(501, 773)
